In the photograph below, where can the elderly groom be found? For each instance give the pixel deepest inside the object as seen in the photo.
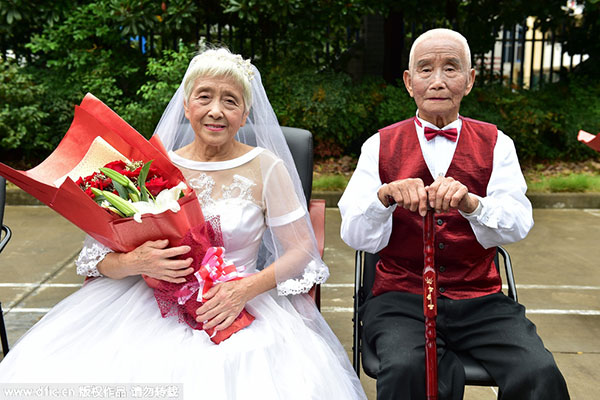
(468, 172)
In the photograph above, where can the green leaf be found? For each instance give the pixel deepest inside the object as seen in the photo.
(142, 181)
(99, 198)
(122, 190)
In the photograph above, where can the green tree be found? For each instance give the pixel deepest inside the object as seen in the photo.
(582, 36)
(299, 32)
(20, 19)
(479, 20)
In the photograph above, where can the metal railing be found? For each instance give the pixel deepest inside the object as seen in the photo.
(525, 58)
(521, 57)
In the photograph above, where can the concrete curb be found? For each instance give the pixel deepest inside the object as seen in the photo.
(565, 200)
(18, 197)
(538, 200)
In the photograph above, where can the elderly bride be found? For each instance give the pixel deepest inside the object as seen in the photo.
(111, 330)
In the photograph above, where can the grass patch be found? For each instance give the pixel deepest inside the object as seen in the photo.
(577, 183)
(330, 182)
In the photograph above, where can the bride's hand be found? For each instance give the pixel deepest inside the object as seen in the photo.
(222, 304)
(156, 260)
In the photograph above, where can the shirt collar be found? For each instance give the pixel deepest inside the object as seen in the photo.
(421, 123)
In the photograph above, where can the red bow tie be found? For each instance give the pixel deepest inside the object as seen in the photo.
(451, 134)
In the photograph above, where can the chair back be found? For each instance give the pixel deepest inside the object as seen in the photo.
(300, 142)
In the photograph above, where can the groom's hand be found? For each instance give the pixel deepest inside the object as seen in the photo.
(407, 193)
(446, 193)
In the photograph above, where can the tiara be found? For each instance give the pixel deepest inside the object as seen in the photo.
(244, 65)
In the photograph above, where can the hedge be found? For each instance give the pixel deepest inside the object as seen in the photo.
(543, 123)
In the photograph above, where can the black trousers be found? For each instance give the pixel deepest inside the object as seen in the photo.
(492, 329)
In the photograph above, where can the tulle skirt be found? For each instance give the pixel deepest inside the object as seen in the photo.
(111, 331)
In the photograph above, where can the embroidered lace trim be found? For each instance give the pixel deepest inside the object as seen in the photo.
(91, 254)
(239, 189)
(312, 276)
(203, 185)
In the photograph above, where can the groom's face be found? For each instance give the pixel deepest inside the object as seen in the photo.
(439, 78)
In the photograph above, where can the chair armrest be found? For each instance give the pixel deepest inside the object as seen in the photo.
(7, 234)
(316, 209)
(510, 277)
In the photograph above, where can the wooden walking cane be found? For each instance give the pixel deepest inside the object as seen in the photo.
(430, 305)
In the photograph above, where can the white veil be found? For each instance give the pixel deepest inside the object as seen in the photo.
(296, 274)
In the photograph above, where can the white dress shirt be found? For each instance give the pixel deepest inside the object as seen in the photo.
(503, 216)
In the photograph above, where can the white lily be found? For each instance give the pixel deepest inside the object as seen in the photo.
(166, 200)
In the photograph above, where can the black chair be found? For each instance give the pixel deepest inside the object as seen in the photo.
(300, 142)
(475, 373)
(5, 235)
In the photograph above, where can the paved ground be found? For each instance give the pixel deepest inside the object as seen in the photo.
(555, 267)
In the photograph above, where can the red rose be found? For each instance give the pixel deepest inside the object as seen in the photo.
(88, 178)
(132, 175)
(118, 166)
(153, 172)
(104, 183)
(157, 185)
(88, 191)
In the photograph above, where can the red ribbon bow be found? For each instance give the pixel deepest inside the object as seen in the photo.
(450, 134)
(213, 269)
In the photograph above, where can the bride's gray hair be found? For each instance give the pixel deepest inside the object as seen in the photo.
(220, 62)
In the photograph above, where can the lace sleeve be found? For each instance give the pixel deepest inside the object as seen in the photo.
(91, 254)
(290, 238)
(314, 274)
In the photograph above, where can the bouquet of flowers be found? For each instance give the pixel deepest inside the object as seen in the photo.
(121, 188)
(67, 179)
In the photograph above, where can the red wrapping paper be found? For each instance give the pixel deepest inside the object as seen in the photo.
(592, 141)
(92, 119)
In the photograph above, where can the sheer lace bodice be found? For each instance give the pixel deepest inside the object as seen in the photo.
(231, 190)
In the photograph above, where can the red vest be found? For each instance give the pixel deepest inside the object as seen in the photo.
(465, 269)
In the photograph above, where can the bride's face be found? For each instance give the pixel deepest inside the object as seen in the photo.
(216, 110)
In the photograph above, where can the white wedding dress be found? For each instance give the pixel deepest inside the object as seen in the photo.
(111, 331)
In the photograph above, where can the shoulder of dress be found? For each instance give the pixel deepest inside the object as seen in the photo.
(268, 156)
